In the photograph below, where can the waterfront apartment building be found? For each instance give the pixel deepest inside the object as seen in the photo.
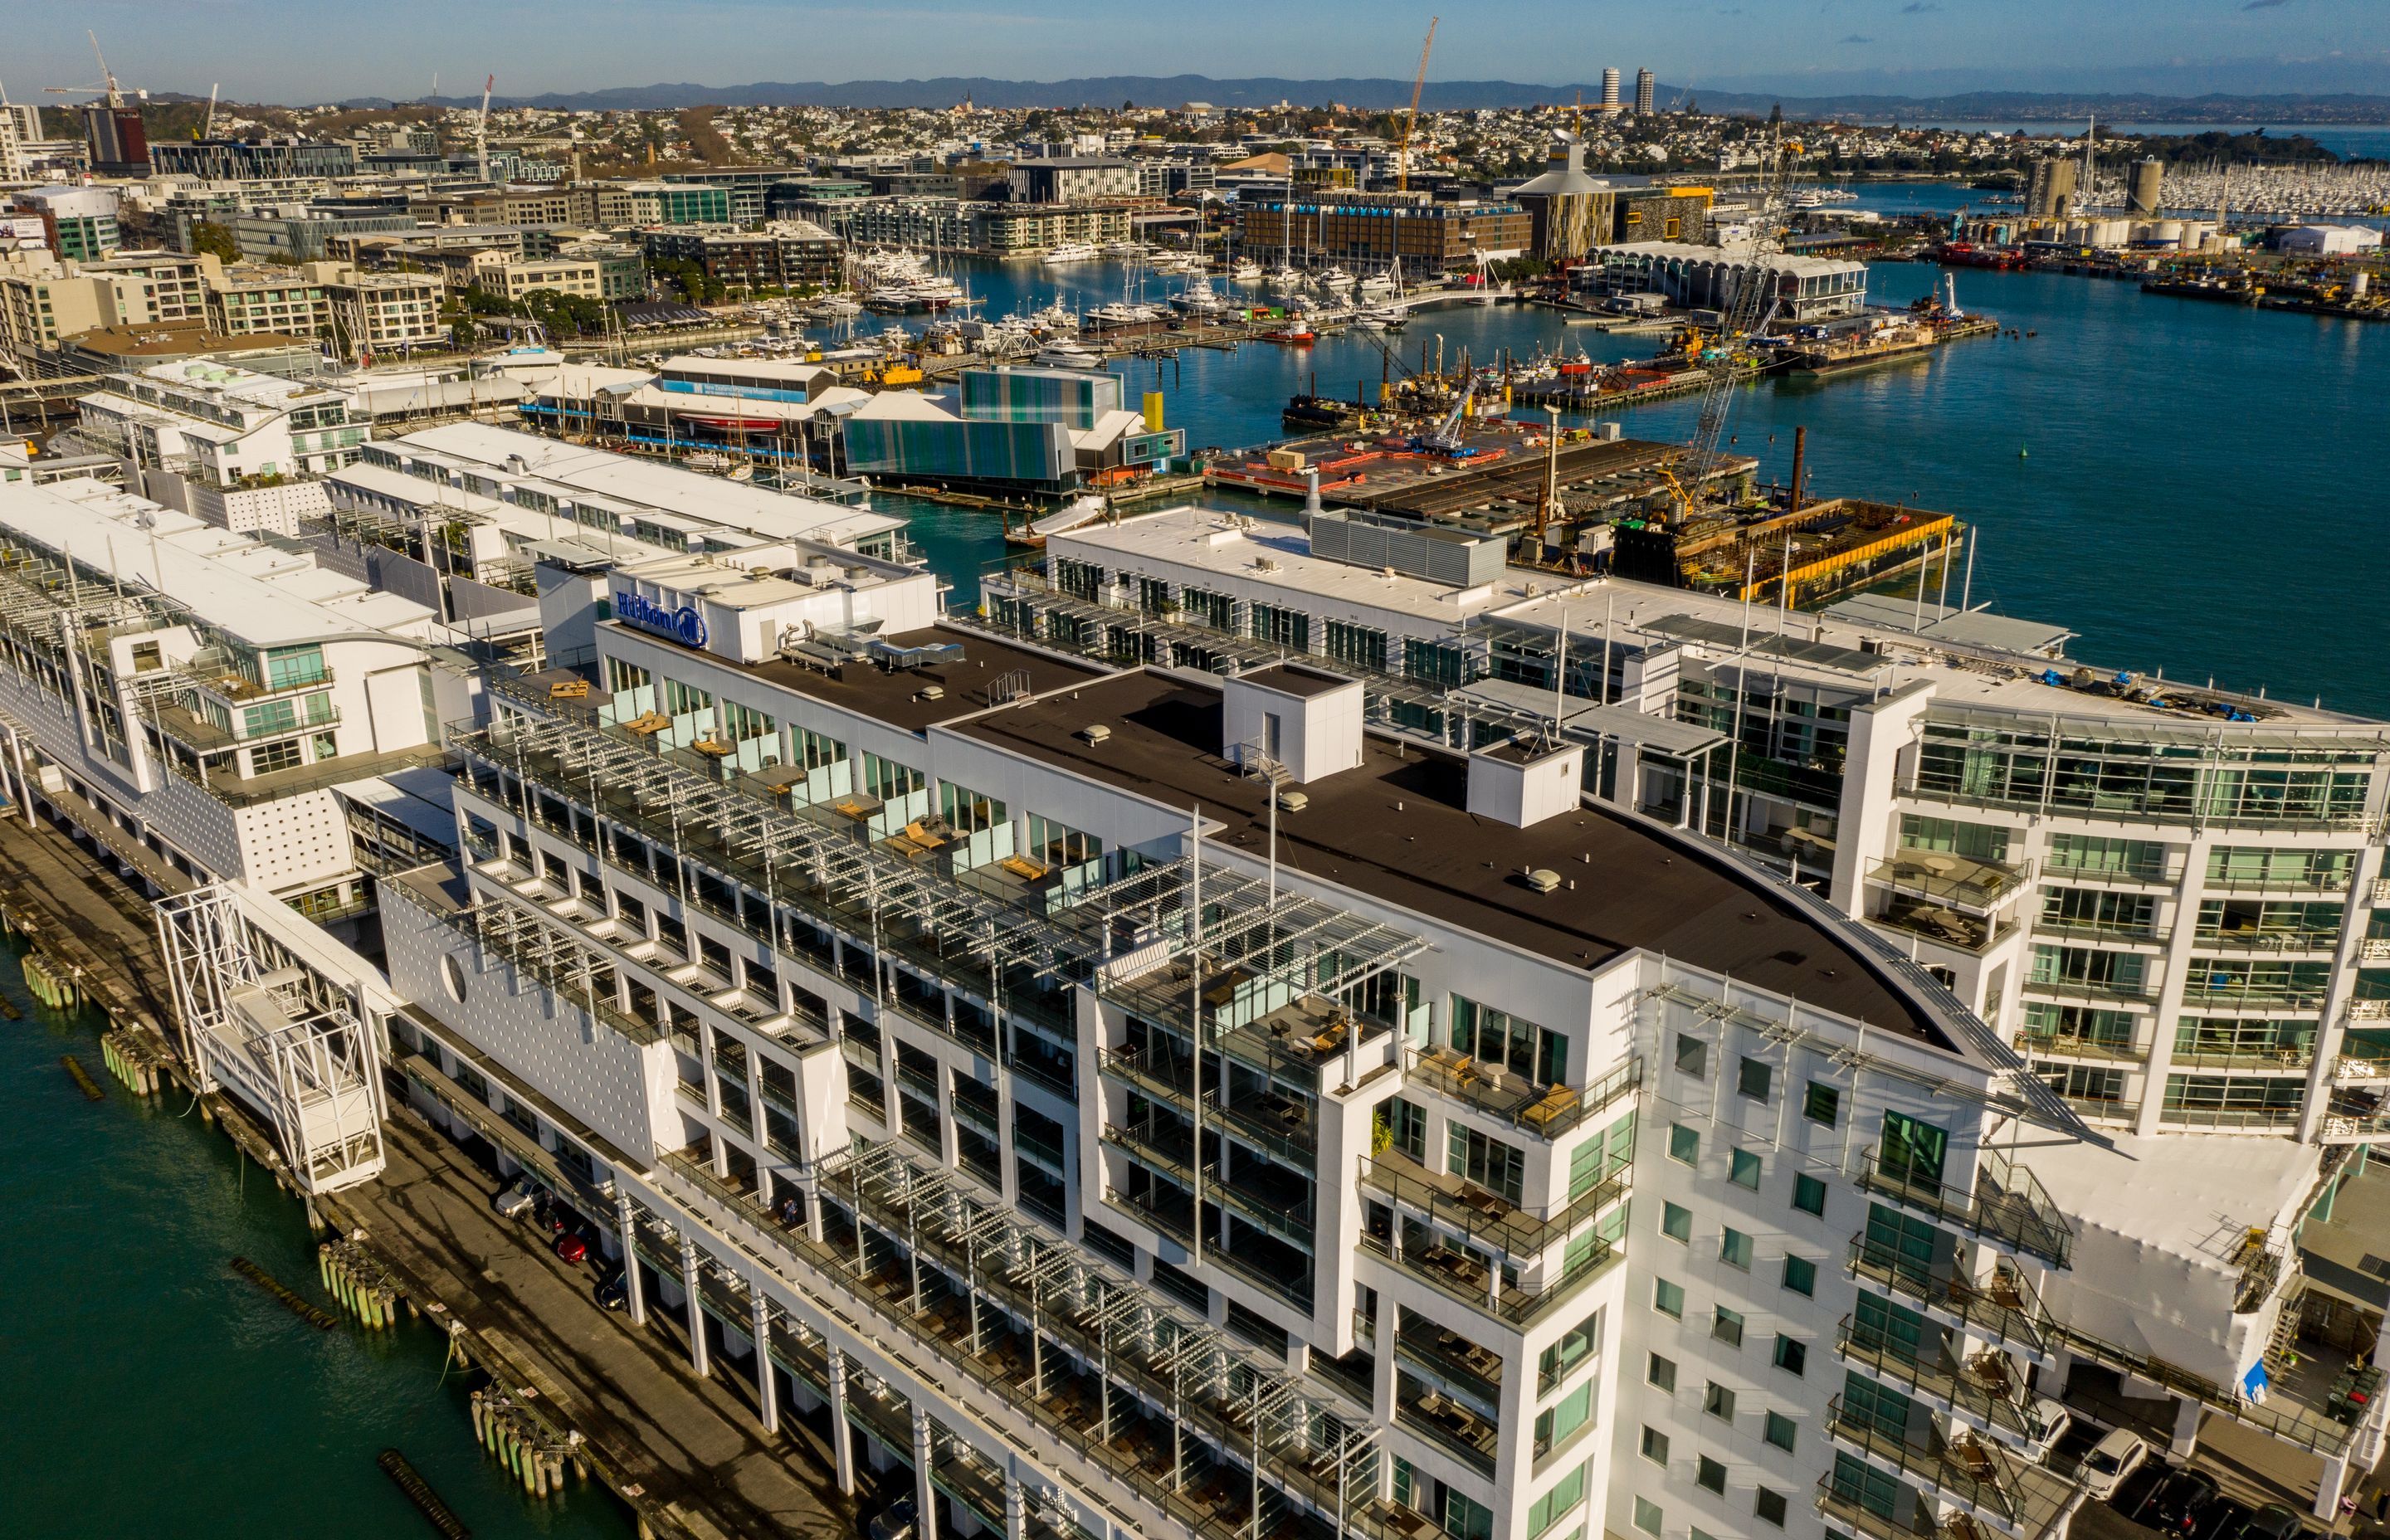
(271, 297)
(1373, 229)
(573, 276)
(191, 700)
(376, 313)
(1136, 1096)
(2168, 897)
(239, 449)
(1076, 180)
(954, 224)
(787, 253)
(253, 160)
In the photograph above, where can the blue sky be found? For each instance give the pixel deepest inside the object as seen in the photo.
(299, 50)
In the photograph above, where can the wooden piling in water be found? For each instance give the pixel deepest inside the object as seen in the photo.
(418, 1492)
(321, 1319)
(91, 1090)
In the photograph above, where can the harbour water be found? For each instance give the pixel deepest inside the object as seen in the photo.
(145, 1388)
(2192, 486)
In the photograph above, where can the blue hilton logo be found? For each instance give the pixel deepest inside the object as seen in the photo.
(684, 626)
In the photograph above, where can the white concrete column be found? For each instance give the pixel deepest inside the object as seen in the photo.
(767, 1389)
(2185, 1427)
(841, 1437)
(925, 1496)
(697, 1355)
(634, 1293)
(1016, 1507)
(2326, 1502)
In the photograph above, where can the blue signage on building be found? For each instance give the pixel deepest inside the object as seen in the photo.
(684, 626)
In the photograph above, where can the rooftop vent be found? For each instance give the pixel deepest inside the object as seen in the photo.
(1096, 733)
(934, 692)
(1292, 801)
(1543, 880)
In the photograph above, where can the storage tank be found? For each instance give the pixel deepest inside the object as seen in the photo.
(2164, 232)
(2149, 178)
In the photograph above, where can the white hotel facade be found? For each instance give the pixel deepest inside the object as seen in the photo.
(927, 1007)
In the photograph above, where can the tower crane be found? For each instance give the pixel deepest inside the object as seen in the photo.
(107, 90)
(481, 130)
(208, 125)
(1750, 310)
(1410, 123)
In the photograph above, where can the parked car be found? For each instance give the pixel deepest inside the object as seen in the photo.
(573, 1247)
(2274, 1521)
(2049, 1421)
(517, 1199)
(613, 1292)
(898, 1521)
(2180, 1501)
(2110, 1460)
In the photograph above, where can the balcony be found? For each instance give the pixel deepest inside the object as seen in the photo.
(2052, 1044)
(1847, 1508)
(1271, 1120)
(1985, 1390)
(2103, 935)
(2002, 1308)
(1484, 1219)
(2251, 938)
(2355, 1116)
(1264, 1263)
(1958, 1469)
(2131, 992)
(1260, 1193)
(2007, 1205)
(1945, 878)
(1943, 925)
(1467, 1276)
(1447, 1421)
(1545, 1112)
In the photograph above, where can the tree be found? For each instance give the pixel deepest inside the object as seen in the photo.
(211, 239)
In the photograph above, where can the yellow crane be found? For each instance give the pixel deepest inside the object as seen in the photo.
(1418, 83)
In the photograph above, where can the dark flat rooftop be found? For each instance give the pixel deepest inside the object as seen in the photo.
(1398, 828)
(895, 696)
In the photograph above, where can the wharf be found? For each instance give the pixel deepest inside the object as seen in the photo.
(688, 1456)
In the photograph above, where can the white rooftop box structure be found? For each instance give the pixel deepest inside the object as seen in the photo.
(750, 614)
(1308, 722)
(1525, 781)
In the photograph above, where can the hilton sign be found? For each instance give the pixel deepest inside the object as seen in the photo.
(684, 626)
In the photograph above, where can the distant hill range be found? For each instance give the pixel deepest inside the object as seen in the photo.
(1380, 95)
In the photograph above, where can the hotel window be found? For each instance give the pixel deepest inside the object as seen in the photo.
(1770, 1506)
(1668, 1298)
(816, 749)
(1655, 1445)
(1912, 1151)
(1692, 1056)
(888, 780)
(1497, 1167)
(1801, 1275)
(1406, 1128)
(1676, 1221)
(1734, 1250)
(684, 700)
(1497, 1037)
(1281, 627)
(1821, 1103)
(1661, 1373)
(1744, 1168)
(1357, 646)
(1809, 1194)
(1755, 1078)
(1060, 845)
(1684, 1144)
(1647, 1516)
(1718, 1402)
(1792, 1355)
(1711, 1475)
(1779, 1431)
(1726, 1326)
(742, 722)
(968, 812)
(1205, 608)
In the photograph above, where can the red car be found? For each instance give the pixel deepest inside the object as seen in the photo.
(571, 1248)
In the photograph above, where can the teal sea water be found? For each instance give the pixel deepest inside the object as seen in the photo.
(2191, 486)
(2200, 489)
(147, 1389)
